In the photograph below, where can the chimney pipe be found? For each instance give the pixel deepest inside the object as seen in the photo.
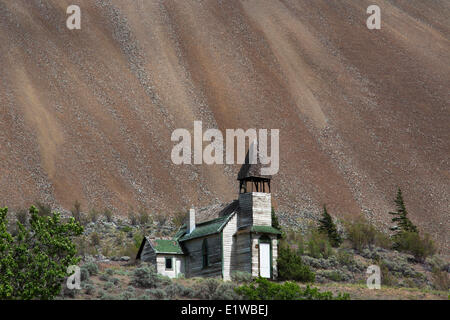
(191, 221)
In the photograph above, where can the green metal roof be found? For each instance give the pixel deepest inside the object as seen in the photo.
(265, 229)
(167, 246)
(203, 229)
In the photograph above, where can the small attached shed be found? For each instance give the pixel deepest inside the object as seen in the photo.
(166, 255)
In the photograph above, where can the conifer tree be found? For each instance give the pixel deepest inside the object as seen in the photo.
(328, 227)
(401, 220)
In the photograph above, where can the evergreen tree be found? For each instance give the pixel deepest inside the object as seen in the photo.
(401, 220)
(403, 226)
(328, 227)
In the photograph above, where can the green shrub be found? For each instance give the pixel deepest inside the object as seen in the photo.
(241, 276)
(104, 277)
(413, 243)
(145, 277)
(262, 289)
(110, 271)
(362, 234)
(291, 267)
(318, 245)
(89, 289)
(33, 264)
(344, 258)
(92, 267)
(158, 293)
(176, 290)
(84, 274)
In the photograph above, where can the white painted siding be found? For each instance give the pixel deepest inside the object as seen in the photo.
(228, 247)
(262, 209)
(177, 260)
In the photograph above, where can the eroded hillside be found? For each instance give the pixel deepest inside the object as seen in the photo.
(87, 114)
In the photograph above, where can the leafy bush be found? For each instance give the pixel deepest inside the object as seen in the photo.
(241, 276)
(33, 264)
(291, 267)
(129, 294)
(84, 274)
(104, 277)
(158, 293)
(89, 288)
(262, 289)
(214, 289)
(145, 277)
(176, 290)
(362, 234)
(92, 267)
(318, 245)
(109, 271)
(413, 243)
(205, 288)
(344, 258)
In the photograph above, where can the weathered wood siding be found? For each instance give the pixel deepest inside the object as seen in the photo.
(255, 256)
(242, 253)
(174, 271)
(245, 215)
(148, 254)
(229, 247)
(255, 209)
(194, 258)
(274, 257)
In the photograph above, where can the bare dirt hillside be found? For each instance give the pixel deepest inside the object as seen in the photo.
(88, 114)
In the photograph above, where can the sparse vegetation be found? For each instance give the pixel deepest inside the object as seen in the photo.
(262, 289)
(413, 243)
(362, 234)
(327, 227)
(108, 215)
(318, 245)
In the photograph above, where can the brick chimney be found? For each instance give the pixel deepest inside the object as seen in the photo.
(191, 221)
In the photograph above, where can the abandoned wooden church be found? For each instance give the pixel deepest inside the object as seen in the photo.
(239, 238)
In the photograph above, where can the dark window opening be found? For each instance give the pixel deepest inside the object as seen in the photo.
(205, 253)
(168, 263)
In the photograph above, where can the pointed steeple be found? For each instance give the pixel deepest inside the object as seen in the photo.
(250, 177)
